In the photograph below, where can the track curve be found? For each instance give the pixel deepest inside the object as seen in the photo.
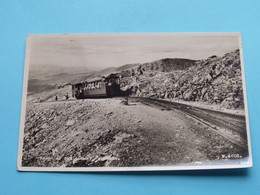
(234, 125)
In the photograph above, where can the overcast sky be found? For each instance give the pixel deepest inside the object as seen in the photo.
(100, 51)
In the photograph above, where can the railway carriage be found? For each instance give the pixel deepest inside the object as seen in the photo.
(97, 87)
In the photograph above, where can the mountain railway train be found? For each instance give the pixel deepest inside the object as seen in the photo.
(99, 87)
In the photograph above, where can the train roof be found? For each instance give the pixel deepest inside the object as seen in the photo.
(94, 79)
(100, 78)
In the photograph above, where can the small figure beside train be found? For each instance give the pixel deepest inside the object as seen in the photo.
(99, 87)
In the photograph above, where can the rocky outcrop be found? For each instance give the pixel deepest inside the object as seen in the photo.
(216, 80)
(163, 65)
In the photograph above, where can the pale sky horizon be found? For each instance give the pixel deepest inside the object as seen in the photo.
(99, 51)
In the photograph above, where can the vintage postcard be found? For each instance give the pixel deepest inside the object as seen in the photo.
(134, 102)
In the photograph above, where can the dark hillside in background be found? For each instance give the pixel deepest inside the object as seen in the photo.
(215, 80)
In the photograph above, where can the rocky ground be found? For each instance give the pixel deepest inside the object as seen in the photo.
(106, 132)
(215, 80)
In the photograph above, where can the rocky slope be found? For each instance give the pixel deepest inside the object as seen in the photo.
(163, 65)
(216, 80)
(105, 132)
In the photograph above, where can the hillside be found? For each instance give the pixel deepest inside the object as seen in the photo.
(110, 70)
(163, 65)
(44, 79)
(47, 83)
(216, 80)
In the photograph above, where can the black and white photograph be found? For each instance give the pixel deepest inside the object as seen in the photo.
(134, 102)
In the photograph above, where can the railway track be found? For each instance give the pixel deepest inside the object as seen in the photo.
(233, 124)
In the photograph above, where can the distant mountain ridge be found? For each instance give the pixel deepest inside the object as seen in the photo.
(55, 77)
(162, 65)
(110, 70)
(169, 64)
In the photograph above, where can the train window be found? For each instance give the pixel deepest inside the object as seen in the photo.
(99, 85)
